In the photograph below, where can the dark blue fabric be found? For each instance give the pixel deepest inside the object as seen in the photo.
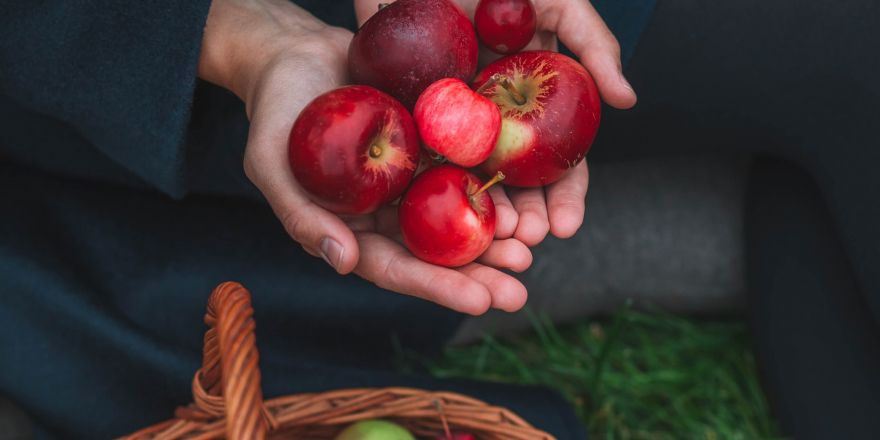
(120, 73)
(104, 289)
(627, 19)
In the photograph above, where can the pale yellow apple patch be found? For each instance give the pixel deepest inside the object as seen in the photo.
(515, 139)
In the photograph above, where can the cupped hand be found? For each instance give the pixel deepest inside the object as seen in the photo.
(557, 208)
(277, 57)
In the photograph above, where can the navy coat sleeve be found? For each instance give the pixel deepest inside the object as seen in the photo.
(121, 74)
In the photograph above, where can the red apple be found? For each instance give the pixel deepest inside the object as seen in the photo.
(550, 110)
(354, 149)
(447, 217)
(456, 122)
(409, 44)
(505, 26)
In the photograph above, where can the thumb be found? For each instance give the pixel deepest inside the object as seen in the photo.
(583, 31)
(319, 231)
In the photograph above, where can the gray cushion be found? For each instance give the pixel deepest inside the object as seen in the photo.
(665, 231)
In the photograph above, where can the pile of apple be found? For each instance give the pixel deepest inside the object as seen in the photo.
(525, 119)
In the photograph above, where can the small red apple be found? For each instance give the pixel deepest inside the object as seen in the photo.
(457, 123)
(505, 26)
(550, 111)
(354, 149)
(409, 44)
(447, 217)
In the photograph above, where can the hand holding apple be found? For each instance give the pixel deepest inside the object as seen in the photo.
(559, 207)
(277, 77)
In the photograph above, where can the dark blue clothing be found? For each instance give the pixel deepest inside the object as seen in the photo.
(124, 203)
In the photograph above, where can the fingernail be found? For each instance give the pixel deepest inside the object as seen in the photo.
(625, 82)
(332, 252)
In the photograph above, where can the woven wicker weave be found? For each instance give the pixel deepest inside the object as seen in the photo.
(228, 402)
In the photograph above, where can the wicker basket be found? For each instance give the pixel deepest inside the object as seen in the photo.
(228, 402)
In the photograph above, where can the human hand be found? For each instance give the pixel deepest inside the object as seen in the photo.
(276, 57)
(557, 208)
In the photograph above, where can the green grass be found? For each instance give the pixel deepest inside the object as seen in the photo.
(636, 376)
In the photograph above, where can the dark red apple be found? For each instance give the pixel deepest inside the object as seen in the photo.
(457, 123)
(409, 44)
(505, 26)
(354, 149)
(550, 111)
(447, 217)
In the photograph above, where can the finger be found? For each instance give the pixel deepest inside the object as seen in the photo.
(532, 208)
(387, 221)
(507, 292)
(582, 30)
(364, 9)
(392, 267)
(360, 223)
(566, 201)
(543, 40)
(318, 230)
(507, 254)
(506, 217)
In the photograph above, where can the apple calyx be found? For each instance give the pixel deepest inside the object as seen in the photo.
(383, 153)
(375, 151)
(383, 5)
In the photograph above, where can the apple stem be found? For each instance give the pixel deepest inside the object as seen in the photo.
(518, 98)
(382, 5)
(489, 83)
(375, 151)
(498, 177)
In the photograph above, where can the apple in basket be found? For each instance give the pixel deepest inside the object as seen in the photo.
(375, 430)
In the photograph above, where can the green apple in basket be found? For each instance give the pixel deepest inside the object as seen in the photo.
(375, 430)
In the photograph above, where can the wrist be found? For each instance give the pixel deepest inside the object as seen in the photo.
(243, 38)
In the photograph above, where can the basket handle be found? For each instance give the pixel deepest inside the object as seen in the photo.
(230, 361)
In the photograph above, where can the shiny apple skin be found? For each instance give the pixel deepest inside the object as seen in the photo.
(439, 222)
(457, 123)
(505, 26)
(409, 44)
(331, 144)
(554, 129)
